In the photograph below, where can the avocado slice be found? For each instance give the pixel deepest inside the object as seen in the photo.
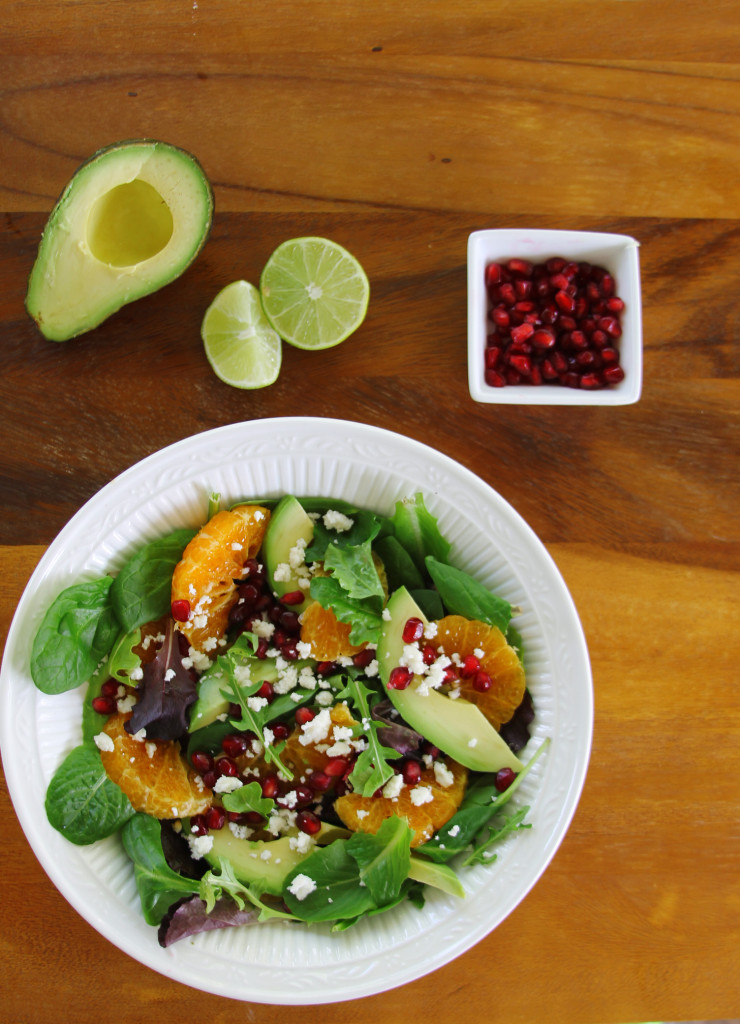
(289, 525)
(455, 726)
(438, 876)
(131, 220)
(250, 862)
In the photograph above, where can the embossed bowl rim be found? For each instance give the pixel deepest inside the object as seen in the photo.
(275, 963)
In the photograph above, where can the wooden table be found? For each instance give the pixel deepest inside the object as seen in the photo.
(397, 131)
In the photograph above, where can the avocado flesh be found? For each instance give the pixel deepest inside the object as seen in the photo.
(289, 524)
(451, 725)
(130, 221)
(251, 866)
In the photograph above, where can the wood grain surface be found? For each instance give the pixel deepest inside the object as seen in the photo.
(397, 132)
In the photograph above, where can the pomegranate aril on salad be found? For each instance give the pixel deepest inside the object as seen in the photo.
(282, 738)
(560, 333)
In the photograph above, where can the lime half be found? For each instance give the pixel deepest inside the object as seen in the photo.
(314, 292)
(240, 345)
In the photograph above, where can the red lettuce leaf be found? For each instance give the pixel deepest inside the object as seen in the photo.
(166, 692)
(188, 917)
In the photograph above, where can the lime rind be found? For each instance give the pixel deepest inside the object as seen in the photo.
(314, 293)
(240, 345)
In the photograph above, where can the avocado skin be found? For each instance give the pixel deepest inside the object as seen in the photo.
(36, 302)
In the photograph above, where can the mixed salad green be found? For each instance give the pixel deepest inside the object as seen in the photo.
(321, 790)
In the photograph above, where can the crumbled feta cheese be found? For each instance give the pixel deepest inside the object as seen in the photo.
(430, 630)
(362, 814)
(137, 674)
(317, 729)
(442, 774)
(257, 703)
(412, 658)
(302, 886)
(301, 843)
(304, 649)
(453, 831)
(421, 795)
(151, 748)
(227, 784)
(268, 736)
(126, 704)
(282, 573)
(104, 742)
(240, 831)
(386, 615)
(200, 846)
(263, 628)
(473, 741)
(169, 675)
(139, 736)
(393, 787)
(338, 521)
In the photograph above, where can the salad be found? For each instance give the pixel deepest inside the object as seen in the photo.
(300, 711)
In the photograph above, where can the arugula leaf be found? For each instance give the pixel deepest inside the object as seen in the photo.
(82, 802)
(417, 531)
(248, 798)
(141, 592)
(222, 881)
(480, 806)
(166, 692)
(463, 595)
(76, 633)
(122, 661)
(510, 824)
(383, 858)
(238, 693)
(371, 770)
(158, 885)
(355, 570)
(363, 615)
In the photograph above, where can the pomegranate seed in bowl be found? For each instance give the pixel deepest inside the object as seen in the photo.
(574, 309)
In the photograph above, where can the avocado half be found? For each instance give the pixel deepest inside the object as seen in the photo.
(131, 220)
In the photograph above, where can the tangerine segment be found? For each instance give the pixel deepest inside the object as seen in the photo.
(328, 637)
(211, 566)
(153, 774)
(458, 635)
(367, 813)
(315, 754)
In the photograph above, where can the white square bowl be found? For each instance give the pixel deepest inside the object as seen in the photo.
(616, 253)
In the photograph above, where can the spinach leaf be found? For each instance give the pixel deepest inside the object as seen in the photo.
(92, 721)
(417, 531)
(81, 802)
(158, 885)
(364, 615)
(338, 894)
(429, 602)
(141, 592)
(353, 878)
(383, 858)
(75, 635)
(399, 566)
(463, 595)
